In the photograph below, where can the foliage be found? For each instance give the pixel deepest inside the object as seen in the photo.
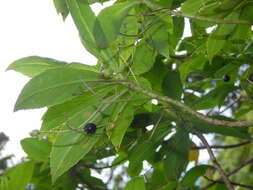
(142, 56)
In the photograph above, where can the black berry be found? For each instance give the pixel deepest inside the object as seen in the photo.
(90, 128)
(226, 78)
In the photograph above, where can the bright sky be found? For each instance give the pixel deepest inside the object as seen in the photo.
(30, 27)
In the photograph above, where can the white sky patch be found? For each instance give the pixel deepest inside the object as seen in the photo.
(150, 127)
(31, 28)
(210, 29)
(154, 101)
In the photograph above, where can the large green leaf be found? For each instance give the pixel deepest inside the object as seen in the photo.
(187, 67)
(84, 19)
(192, 6)
(71, 146)
(61, 8)
(193, 174)
(52, 87)
(142, 151)
(156, 74)
(68, 149)
(36, 149)
(158, 37)
(109, 21)
(177, 155)
(4, 183)
(137, 183)
(178, 31)
(205, 127)
(172, 86)
(121, 119)
(143, 59)
(56, 115)
(33, 65)
(213, 98)
(20, 175)
(217, 39)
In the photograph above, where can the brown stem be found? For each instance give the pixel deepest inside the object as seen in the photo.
(221, 146)
(240, 166)
(215, 162)
(208, 19)
(185, 107)
(230, 173)
(233, 183)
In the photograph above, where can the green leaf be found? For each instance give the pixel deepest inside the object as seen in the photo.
(84, 19)
(71, 146)
(36, 149)
(20, 175)
(159, 38)
(144, 58)
(205, 127)
(192, 6)
(68, 149)
(177, 155)
(52, 87)
(61, 8)
(34, 65)
(121, 119)
(156, 74)
(136, 183)
(178, 31)
(109, 21)
(213, 98)
(219, 187)
(193, 174)
(56, 115)
(172, 86)
(187, 67)
(4, 183)
(217, 39)
(142, 151)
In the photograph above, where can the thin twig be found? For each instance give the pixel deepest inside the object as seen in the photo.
(241, 166)
(229, 174)
(233, 183)
(195, 17)
(185, 107)
(104, 167)
(222, 146)
(208, 19)
(216, 164)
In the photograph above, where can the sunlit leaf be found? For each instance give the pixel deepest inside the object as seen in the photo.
(36, 149)
(143, 59)
(137, 183)
(121, 119)
(61, 8)
(20, 175)
(109, 21)
(33, 65)
(52, 87)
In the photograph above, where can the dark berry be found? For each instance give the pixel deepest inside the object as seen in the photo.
(226, 78)
(90, 128)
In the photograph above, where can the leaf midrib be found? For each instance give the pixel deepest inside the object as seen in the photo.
(47, 89)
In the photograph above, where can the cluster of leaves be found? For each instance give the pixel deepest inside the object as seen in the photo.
(137, 44)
